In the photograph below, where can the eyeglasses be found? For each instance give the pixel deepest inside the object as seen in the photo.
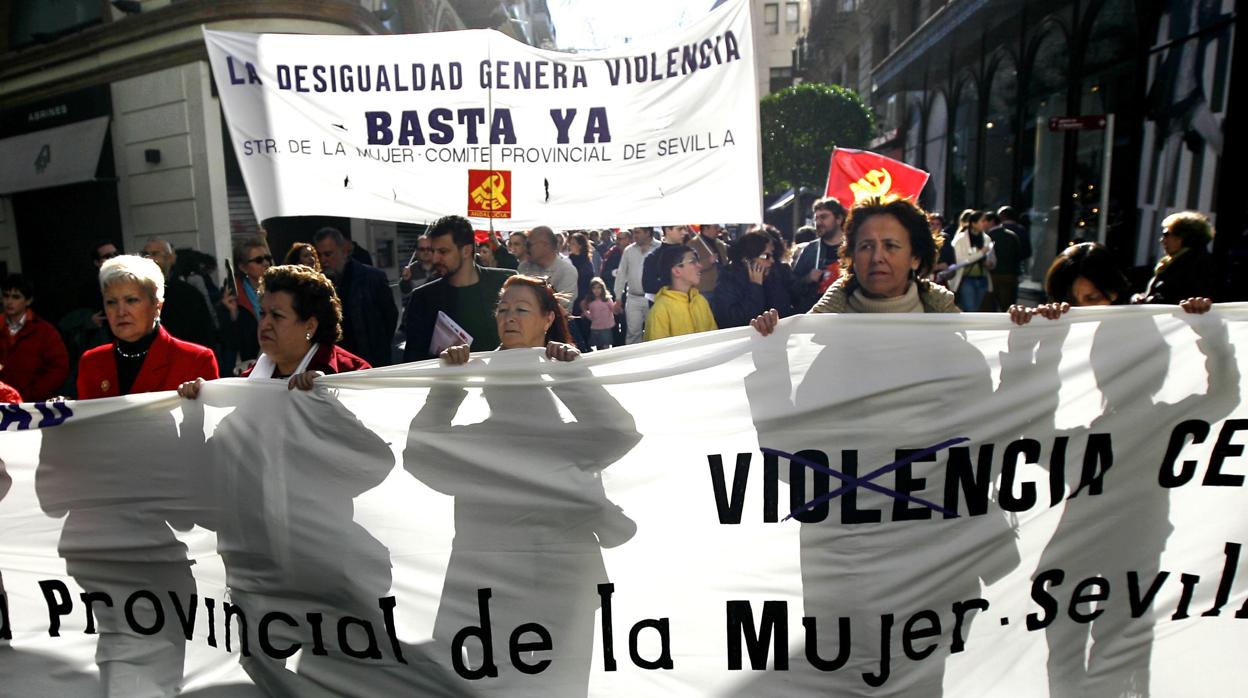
(262, 259)
(693, 259)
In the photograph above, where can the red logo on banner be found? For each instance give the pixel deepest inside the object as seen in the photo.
(855, 175)
(489, 193)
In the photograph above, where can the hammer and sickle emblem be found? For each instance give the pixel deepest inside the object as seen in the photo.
(489, 195)
(874, 183)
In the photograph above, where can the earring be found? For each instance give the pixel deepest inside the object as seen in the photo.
(308, 336)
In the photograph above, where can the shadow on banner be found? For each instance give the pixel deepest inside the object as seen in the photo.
(866, 557)
(526, 557)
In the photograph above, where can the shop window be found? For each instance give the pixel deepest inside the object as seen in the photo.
(964, 149)
(934, 153)
(999, 132)
(1041, 174)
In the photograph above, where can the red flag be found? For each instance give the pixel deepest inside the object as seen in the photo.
(481, 236)
(855, 175)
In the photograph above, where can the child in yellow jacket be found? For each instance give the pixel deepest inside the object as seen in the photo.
(678, 307)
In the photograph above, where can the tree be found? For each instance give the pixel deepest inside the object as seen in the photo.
(801, 125)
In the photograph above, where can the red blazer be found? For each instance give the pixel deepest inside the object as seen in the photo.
(169, 363)
(34, 362)
(331, 359)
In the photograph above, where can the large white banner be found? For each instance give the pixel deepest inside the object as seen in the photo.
(413, 127)
(857, 505)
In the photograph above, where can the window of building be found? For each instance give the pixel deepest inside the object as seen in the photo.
(771, 18)
(40, 22)
(792, 24)
(964, 149)
(879, 47)
(934, 154)
(1042, 150)
(999, 131)
(780, 79)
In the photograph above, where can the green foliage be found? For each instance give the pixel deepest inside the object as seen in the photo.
(800, 126)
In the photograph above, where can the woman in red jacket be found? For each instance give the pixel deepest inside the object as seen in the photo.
(300, 325)
(143, 358)
(32, 355)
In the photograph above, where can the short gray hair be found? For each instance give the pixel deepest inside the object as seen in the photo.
(133, 268)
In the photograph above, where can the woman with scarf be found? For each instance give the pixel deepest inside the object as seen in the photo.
(300, 325)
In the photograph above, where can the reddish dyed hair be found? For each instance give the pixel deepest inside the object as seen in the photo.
(547, 302)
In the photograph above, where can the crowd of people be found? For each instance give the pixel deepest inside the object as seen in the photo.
(159, 320)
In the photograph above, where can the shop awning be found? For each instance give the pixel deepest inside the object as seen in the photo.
(50, 158)
(787, 198)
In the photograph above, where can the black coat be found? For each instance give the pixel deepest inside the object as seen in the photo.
(369, 313)
(1190, 275)
(425, 302)
(736, 300)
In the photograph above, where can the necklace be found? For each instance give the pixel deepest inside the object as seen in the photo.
(124, 355)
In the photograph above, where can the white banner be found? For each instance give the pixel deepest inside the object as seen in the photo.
(857, 505)
(413, 127)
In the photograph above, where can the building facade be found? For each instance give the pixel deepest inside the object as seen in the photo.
(111, 128)
(1096, 118)
(777, 26)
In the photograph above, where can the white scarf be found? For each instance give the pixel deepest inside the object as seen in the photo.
(266, 367)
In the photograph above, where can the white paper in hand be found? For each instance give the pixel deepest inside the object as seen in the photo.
(447, 333)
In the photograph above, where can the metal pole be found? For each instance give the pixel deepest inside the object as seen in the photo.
(1102, 219)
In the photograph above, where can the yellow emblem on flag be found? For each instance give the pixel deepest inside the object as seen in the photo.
(490, 195)
(875, 183)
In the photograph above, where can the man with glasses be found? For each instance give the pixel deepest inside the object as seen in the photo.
(185, 313)
(420, 271)
(544, 261)
(89, 295)
(369, 313)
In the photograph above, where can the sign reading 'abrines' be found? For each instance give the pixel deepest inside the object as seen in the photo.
(401, 127)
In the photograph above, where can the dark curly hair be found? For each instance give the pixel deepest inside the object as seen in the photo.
(297, 249)
(313, 296)
(749, 246)
(924, 244)
(1093, 262)
(547, 302)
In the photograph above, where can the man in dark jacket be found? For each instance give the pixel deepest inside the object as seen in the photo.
(186, 313)
(818, 266)
(369, 313)
(465, 291)
(1009, 251)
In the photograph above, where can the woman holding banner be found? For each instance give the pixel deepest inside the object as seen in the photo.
(1086, 275)
(300, 323)
(529, 530)
(529, 315)
(886, 257)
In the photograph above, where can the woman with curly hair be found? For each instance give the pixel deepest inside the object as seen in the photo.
(300, 325)
(303, 253)
(886, 256)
